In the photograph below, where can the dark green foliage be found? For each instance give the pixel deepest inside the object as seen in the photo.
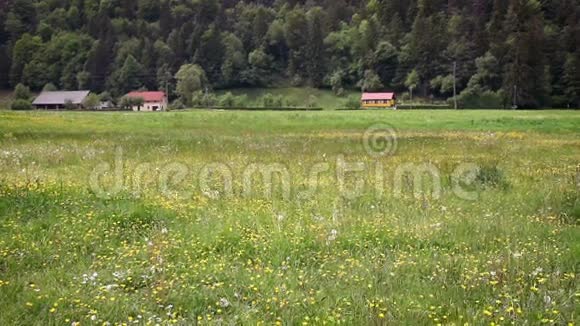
(524, 51)
(176, 105)
(49, 88)
(272, 101)
(491, 176)
(352, 103)
(21, 105)
(69, 105)
(127, 103)
(22, 92)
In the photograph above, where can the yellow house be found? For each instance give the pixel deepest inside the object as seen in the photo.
(379, 100)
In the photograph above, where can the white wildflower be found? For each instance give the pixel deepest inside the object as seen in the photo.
(224, 303)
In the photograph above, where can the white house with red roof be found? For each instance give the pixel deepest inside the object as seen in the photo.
(379, 100)
(152, 101)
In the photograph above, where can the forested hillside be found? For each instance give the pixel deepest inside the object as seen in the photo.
(505, 51)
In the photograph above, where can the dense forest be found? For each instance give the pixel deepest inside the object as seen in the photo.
(501, 52)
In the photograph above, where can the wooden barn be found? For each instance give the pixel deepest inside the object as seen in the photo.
(60, 100)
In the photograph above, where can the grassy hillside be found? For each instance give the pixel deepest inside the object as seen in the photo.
(122, 218)
(299, 96)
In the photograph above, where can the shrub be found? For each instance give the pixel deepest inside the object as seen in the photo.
(312, 101)
(49, 88)
(127, 103)
(197, 98)
(69, 105)
(92, 102)
(279, 101)
(227, 100)
(21, 105)
(478, 99)
(268, 100)
(22, 92)
(242, 100)
(352, 103)
(105, 96)
(405, 96)
(291, 103)
(491, 176)
(210, 100)
(176, 105)
(201, 99)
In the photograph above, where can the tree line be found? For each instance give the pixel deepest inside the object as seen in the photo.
(488, 52)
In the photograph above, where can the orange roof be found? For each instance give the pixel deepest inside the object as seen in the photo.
(378, 96)
(149, 96)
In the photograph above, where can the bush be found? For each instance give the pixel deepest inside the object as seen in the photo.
(312, 101)
(22, 92)
(242, 101)
(491, 176)
(105, 96)
(197, 98)
(127, 103)
(268, 100)
(210, 100)
(478, 99)
(49, 88)
(21, 105)
(201, 99)
(291, 103)
(227, 100)
(176, 105)
(69, 105)
(92, 102)
(352, 103)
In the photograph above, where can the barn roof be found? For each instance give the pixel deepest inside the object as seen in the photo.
(148, 96)
(54, 98)
(378, 96)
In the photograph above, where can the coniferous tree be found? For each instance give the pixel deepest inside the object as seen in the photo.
(532, 44)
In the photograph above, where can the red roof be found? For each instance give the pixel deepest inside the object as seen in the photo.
(149, 96)
(378, 96)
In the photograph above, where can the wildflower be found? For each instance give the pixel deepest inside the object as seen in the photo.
(280, 217)
(547, 299)
(333, 235)
(224, 303)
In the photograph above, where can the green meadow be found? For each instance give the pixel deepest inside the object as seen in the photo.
(355, 218)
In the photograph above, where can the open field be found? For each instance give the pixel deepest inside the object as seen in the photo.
(112, 218)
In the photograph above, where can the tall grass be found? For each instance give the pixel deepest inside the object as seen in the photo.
(70, 256)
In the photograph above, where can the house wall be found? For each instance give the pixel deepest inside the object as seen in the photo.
(379, 104)
(150, 106)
